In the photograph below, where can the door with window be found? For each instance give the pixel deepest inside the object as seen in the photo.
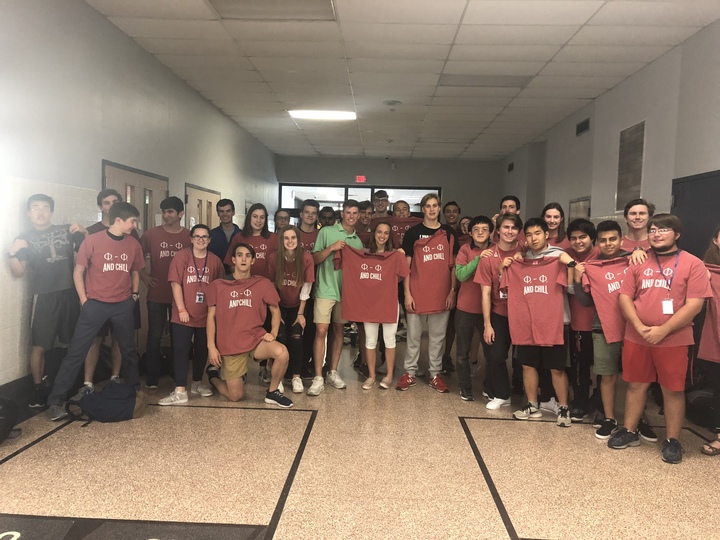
(200, 206)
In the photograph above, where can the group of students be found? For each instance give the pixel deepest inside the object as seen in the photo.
(562, 299)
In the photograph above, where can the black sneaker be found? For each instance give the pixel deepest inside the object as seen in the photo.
(447, 365)
(39, 397)
(608, 427)
(623, 438)
(672, 451)
(466, 395)
(577, 415)
(276, 398)
(646, 432)
(598, 420)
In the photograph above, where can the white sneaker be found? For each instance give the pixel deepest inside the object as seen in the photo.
(198, 388)
(551, 406)
(175, 398)
(334, 379)
(281, 388)
(297, 385)
(317, 386)
(496, 403)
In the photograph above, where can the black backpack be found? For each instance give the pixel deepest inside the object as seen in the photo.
(115, 403)
(8, 417)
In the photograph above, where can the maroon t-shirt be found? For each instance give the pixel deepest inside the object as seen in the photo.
(710, 340)
(195, 276)
(603, 278)
(263, 248)
(108, 264)
(488, 274)
(563, 244)
(535, 289)
(307, 239)
(464, 239)
(369, 287)
(398, 227)
(162, 247)
(469, 298)
(364, 234)
(647, 285)
(430, 282)
(581, 317)
(290, 291)
(100, 226)
(240, 311)
(629, 245)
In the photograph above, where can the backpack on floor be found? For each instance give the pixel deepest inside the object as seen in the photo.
(115, 403)
(8, 417)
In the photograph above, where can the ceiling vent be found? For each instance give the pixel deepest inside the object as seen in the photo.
(275, 10)
(582, 127)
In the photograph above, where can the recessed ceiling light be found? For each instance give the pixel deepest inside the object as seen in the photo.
(323, 115)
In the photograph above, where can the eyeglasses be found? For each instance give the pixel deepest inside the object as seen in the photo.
(282, 218)
(484, 230)
(659, 231)
(203, 238)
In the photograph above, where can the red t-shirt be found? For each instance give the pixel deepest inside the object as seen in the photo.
(369, 287)
(307, 239)
(710, 340)
(581, 317)
(648, 287)
(535, 289)
(290, 291)
(162, 247)
(398, 227)
(430, 282)
(629, 245)
(364, 234)
(464, 239)
(241, 307)
(488, 274)
(563, 244)
(469, 298)
(108, 264)
(194, 275)
(263, 248)
(603, 278)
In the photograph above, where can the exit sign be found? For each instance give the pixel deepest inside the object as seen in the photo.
(360, 179)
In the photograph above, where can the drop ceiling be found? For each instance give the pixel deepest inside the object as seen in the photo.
(451, 79)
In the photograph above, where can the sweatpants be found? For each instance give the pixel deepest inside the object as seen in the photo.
(437, 325)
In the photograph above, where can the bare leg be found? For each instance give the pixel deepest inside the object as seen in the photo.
(321, 332)
(37, 364)
(608, 385)
(336, 345)
(390, 362)
(278, 354)
(560, 384)
(371, 356)
(635, 399)
(233, 389)
(674, 406)
(531, 380)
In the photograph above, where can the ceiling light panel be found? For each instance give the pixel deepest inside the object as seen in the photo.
(395, 66)
(542, 81)
(466, 91)
(510, 53)
(415, 51)
(579, 69)
(157, 9)
(688, 13)
(283, 31)
(301, 49)
(442, 34)
(401, 11)
(288, 10)
(465, 67)
(581, 93)
(531, 12)
(632, 35)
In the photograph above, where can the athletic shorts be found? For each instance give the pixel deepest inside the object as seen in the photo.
(554, 357)
(645, 364)
(54, 317)
(607, 355)
(326, 311)
(234, 366)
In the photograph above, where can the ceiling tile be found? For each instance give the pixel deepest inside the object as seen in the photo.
(476, 91)
(202, 61)
(283, 31)
(156, 28)
(308, 78)
(211, 74)
(549, 103)
(500, 53)
(312, 49)
(409, 51)
(190, 46)
(688, 13)
(568, 92)
(287, 63)
(531, 12)
(542, 81)
(610, 53)
(392, 79)
(308, 87)
(632, 35)
(157, 9)
(465, 67)
(400, 11)
(598, 69)
(375, 101)
(395, 66)
(399, 33)
(476, 34)
(319, 10)
(471, 101)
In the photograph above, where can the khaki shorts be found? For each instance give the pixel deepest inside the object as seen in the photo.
(607, 355)
(234, 366)
(326, 311)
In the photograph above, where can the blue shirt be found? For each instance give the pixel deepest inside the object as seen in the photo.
(219, 244)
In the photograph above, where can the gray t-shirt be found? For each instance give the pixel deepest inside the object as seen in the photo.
(50, 258)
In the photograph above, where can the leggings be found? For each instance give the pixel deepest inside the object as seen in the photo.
(293, 338)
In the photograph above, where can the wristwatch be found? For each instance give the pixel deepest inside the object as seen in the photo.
(572, 264)
(135, 296)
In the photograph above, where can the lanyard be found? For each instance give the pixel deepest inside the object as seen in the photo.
(197, 270)
(668, 281)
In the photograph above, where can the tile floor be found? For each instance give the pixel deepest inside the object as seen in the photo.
(347, 464)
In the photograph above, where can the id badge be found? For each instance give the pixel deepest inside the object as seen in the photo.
(199, 297)
(503, 295)
(667, 306)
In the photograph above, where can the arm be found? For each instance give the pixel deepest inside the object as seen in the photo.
(582, 296)
(488, 332)
(463, 272)
(627, 307)
(275, 325)
(147, 279)
(76, 227)
(409, 300)
(79, 281)
(320, 256)
(680, 319)
(213, 354)
(300, 319)
(177, 293)
(452, 295)
(17, 267)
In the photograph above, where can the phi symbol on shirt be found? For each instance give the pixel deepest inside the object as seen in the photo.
(191, 270)
(108, 256)
(609, 276)
(247, 292)
(363, 266)
(179, 245)
(164, 245)
(124, 257)
(378, 268)
(263, 247)
(543, 278)
(234, 294)
(395, 228)
(426, 249)
(667, 272)
(527, 279)
(648, 272)
(440, 247)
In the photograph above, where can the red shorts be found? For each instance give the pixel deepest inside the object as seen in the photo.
(645, 364)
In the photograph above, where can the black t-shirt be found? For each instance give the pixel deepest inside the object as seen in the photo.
(421, 231)
(50, 258)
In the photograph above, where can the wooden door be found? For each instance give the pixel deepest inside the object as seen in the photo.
(200, 206)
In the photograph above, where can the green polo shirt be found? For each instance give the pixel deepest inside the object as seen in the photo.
(328, 282)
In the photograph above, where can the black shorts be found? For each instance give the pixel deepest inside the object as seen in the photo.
(554, 357)
(54, 317)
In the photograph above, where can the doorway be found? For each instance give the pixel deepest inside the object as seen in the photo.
(694, 201)
(200, 206)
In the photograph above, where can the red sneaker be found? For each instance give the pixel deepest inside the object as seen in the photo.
(405, 382)
(438, 384)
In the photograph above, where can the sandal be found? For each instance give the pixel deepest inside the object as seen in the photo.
(710, 450)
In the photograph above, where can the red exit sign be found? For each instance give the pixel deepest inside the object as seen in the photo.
(360, 179)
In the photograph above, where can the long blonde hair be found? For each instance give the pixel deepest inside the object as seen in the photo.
(298, 264)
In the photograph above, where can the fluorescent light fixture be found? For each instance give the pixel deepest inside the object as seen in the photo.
(323, 115)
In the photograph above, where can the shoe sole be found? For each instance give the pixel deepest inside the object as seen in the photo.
(495, 408)
(604, 437)
(529, 417)
(314, 394)
(440, 391)
(173, 403)
(672, 462)
(648, 439)
(36, 405)
(467, 398)
(564, 424)
(628, 445)
(577, 420)
(273, 402)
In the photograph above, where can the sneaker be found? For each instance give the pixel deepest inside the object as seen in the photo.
(438, 384)
(386, 383)
(672, 451)
(405, 382)
(334, 379)
(276, 398)
(447, 365)
(264, 375)
(623, 438)
(495, 403)
(85, 390)
(317, 386)
(117, 379)
(466, 395)
(281, 388)
(550, 406)
(297, 385)
(605, 431)
(486, 396)
(151, 384)
(57, 412)
(198, 388)
(647, 433)
(598, 420)
(527, 412)
(39, 397)
(577, 415)
(174, 398)
(563, 417)
(368, 384)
